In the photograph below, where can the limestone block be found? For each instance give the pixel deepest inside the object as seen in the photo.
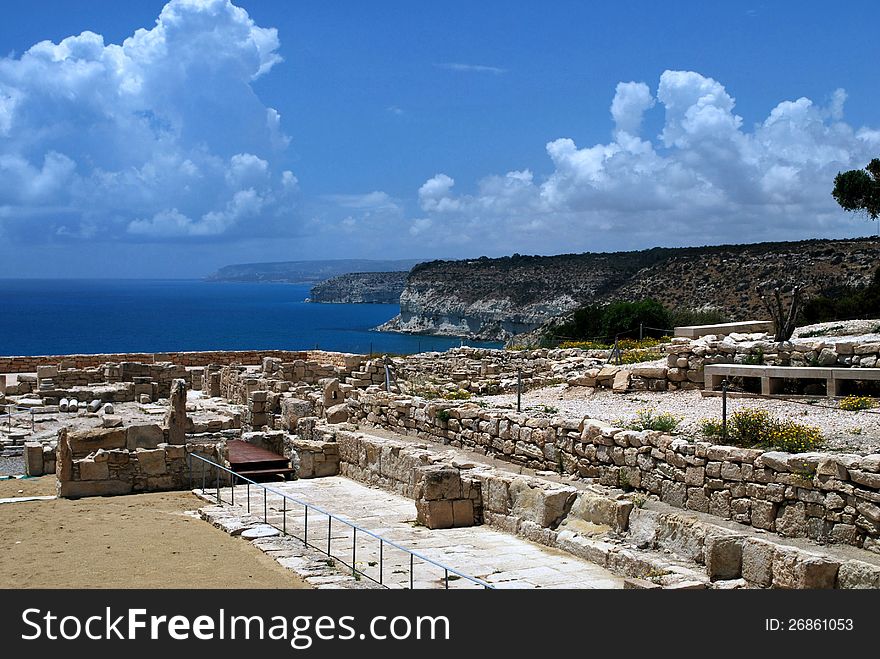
(435, 514)
(764, 514)
(294, 409)
(144, 436)
(757, 561)
(462, 513)
(621, 382)
(33, 457)
(337, 413)
(675, 494)
(724, 556)
(152, 462)
(597, 509)
(76, 489)
(792, 520)
(654, 372)
(47, 372)
(540, 501)
(438, 482)
(858, 574)
(795, 568)
(85, 442)
(111, 421)
(91, 470)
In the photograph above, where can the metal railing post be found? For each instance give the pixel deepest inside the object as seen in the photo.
(354, 534)
(381, 561)
(189, 463)
(519, 390)
(265, 505)
(329, 525)
(249, 497)
(218, 484)
(724, 384)
(412, 558)
(306, 529)
(284, 515)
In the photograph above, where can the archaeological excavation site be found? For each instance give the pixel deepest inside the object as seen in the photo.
(485, 468)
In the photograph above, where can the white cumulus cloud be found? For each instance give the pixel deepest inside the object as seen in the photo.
(705, 178)
(161, 135)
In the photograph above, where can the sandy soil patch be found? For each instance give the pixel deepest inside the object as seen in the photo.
(137, 541)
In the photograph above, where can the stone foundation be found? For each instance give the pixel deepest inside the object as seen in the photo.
(826, 497)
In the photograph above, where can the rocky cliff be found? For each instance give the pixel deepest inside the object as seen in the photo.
(305, 272)
(361, 288)
(494, 299)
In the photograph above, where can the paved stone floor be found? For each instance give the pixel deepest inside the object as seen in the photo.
(503, 560)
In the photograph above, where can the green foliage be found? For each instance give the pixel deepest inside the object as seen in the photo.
(458, 394)
(858, 190)
(711, 427)
(638, 356)
(756, 427)
(605, 322)
(856, 403)
(623, 344)
(647, 419)
(687, 317)
(620, 317)
(442, 415)
(755, 359)
(844, 304)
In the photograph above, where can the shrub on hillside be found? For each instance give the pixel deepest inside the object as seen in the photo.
(844, 304)
(603, 323)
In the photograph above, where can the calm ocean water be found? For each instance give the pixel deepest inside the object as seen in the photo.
(40, 317)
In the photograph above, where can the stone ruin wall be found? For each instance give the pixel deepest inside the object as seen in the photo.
(29, 364)
(599, 524)
(826, 497)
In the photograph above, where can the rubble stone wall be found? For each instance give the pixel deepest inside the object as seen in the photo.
(111, 461)
(29, 364)
(827, 497)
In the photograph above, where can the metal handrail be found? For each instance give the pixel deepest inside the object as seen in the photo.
(330, 516)
(10, 412)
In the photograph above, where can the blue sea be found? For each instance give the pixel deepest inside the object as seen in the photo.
(51, 317)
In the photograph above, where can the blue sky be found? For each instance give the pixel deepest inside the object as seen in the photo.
(146, 138)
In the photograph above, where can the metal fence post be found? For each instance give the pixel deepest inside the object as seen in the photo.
(265, 505)
(284, 516)
(354, 535)
(519, 390)
(306, 530)
(724, 384)
(381, 561)
(329, 533)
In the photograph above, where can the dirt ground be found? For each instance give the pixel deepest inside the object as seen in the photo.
(136, 541)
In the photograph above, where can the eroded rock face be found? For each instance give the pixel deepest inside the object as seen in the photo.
(496, 299)
(361, 288)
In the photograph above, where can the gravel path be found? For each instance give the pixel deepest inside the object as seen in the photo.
(850, 432)
(11, 466)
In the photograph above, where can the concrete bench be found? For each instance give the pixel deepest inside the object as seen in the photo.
(772, 376)
(746, 327)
